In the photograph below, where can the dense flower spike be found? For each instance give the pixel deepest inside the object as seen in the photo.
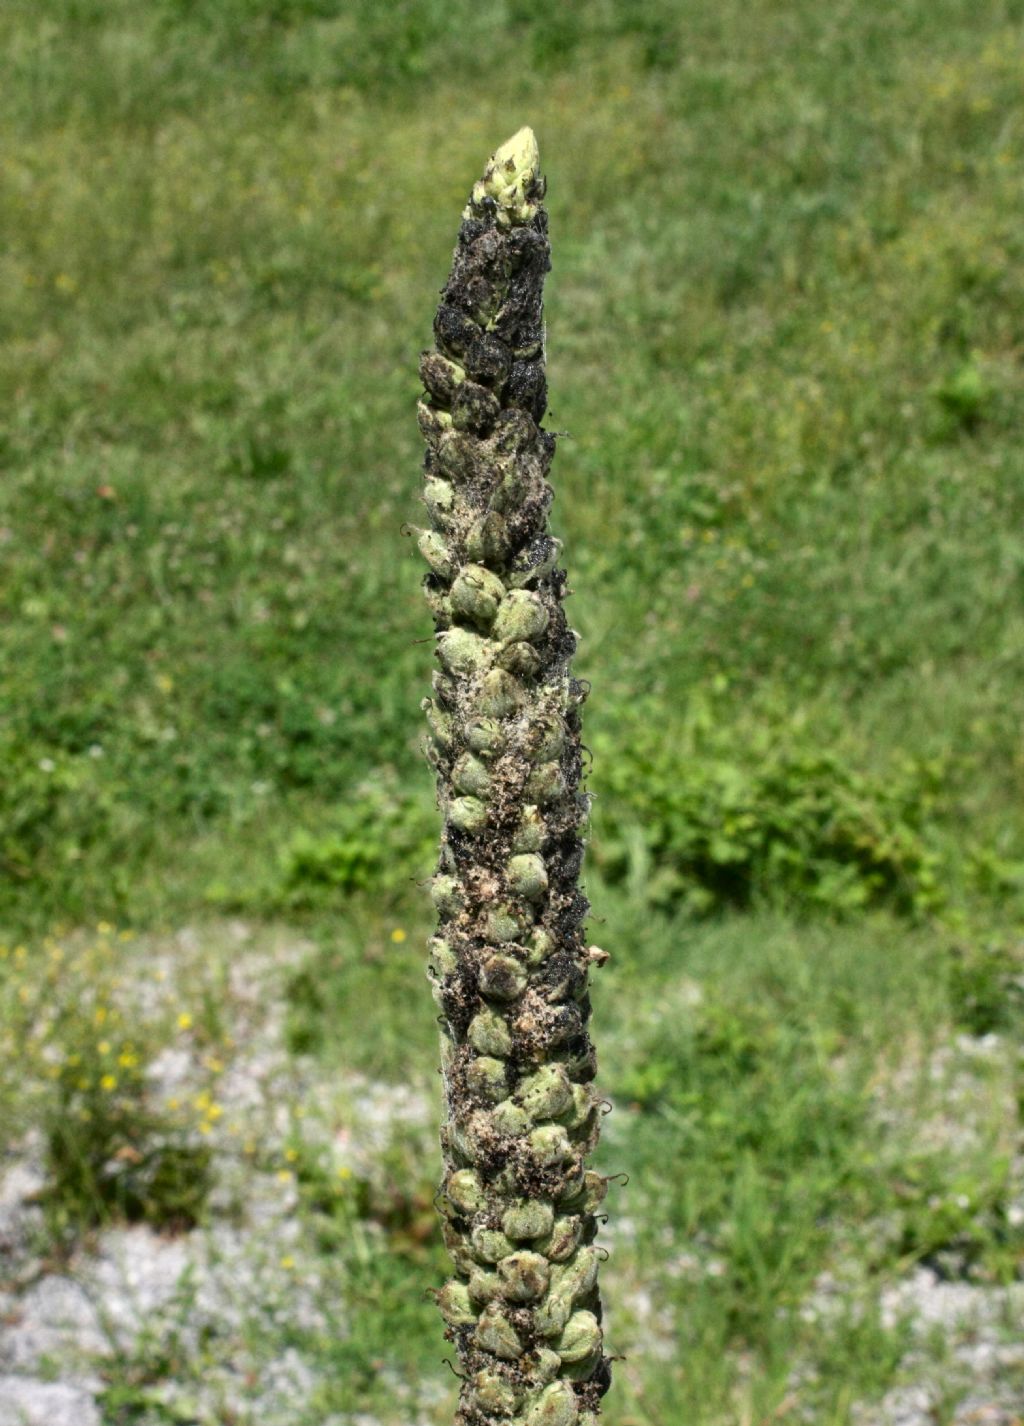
(508, 963)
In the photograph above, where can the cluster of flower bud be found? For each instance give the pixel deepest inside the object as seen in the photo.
(508, 966)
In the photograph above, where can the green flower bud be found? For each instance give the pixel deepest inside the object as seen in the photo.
(556, 1406)
(443, 959)
(527, 875)
(447, 895)
(483, 1286)
(579, 1109)
(510, 1120)
(541, 946)
(432, 420)
(495, 1333)
(486, 1079)
(469, 814)
(437, 599)
(455, 1242)
(488, 540)
(563, 1240)
(492, 1393)
(580, 1338)
(520, 658)
(578, 1275)
(465, 1191)
(439, 498)
(545, 1094)
(489, 1034)
(453, 1300)
(548, 1364)
(549, 1145)
(489, 1245)
(531, 833)
(499, 694)
(529, 1218)
(434, 549)
(546, 782)
(503, 924)
(523, 615)
(582, 1370)
(471, 775)
(484, 736)
(439, 723)
(456, 455)
(551, 1315)
(524, 1276)
(591, 1194)
(502, 978)
(477, 593)
(463, 652)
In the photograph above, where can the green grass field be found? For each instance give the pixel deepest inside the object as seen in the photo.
(785, 343)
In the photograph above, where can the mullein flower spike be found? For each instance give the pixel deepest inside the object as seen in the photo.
(508, 962)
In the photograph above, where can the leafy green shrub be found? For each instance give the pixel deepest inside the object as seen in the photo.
(964, 397)
(986, 985)
(376, 836)
(723, 818)
(110, 1151)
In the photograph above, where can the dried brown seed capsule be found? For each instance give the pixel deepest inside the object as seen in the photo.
(440, 376)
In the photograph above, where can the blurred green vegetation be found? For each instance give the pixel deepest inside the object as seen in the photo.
(785, 343)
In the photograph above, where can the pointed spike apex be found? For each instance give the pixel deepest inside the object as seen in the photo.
(518, 157)
(512, 178)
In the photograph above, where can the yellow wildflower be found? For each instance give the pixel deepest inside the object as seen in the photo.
(108, 1081)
